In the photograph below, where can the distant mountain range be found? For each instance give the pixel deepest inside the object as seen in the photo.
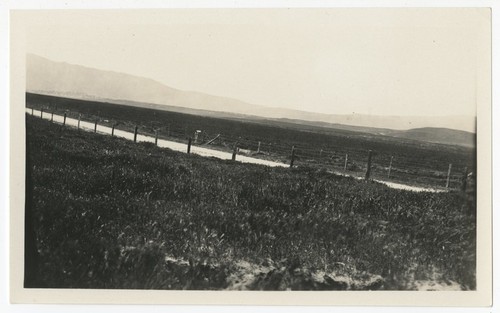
(44, 76)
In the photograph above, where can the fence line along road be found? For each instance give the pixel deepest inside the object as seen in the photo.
(187, 147)
(173, 145)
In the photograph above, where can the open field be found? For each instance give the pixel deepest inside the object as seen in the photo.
(202, 150)
(108, 213)
(414, 162)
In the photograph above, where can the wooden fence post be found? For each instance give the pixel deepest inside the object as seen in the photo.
(345, 163)
(235, 150)
(390, 168)
(258, 148)
(189, 145)
(464, 179)
(113, 130)
(79, 119)
(368, 165)
(448, 178)
(64, 120)
(95, 126)
(156, 137)
(51, 116)
(135, 133)
(41, 113)
(292, 158)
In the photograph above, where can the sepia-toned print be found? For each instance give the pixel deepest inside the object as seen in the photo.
(254, 149)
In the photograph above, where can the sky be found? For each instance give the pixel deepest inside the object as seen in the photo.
(336, 61)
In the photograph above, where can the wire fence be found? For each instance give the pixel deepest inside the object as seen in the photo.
(340, 159)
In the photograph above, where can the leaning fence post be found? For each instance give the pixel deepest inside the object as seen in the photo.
(368, 165)
(464, 179)
(113, 130)
(189, 145)
(390, 167)
(135, 133)
(292, 158)
(156, 137)
(448, 178)
(345, 163)
(64, 120)
(95, 126)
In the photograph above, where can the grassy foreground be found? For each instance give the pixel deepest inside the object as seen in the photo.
(109, 213)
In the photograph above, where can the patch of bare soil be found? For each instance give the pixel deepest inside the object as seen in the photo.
(269, 275)
(435, 281)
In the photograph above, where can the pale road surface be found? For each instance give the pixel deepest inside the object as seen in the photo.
(182, 147)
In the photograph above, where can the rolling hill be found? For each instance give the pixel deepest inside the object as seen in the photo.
(438, 135)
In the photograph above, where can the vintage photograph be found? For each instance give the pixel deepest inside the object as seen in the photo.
(238, 150)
